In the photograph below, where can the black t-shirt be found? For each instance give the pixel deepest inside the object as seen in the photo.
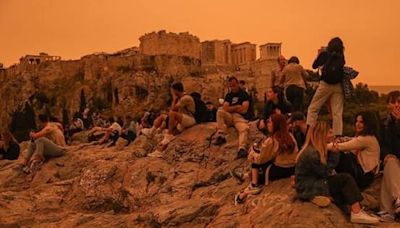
(270, 107)
(238, 99)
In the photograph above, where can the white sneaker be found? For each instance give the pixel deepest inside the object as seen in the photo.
(155, 154)
(363, 218)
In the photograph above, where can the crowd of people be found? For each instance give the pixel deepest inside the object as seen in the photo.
(324, 166)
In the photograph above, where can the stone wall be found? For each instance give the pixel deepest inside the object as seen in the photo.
(216, 52)
(163, 43)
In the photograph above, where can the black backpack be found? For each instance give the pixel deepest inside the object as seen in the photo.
(201, 114)
(332, 72)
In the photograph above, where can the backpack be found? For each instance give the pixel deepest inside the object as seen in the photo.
(201, 113)
(332, 72)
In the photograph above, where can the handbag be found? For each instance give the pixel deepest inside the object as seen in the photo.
(347, 85)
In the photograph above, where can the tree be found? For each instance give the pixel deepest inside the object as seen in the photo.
(82, 104)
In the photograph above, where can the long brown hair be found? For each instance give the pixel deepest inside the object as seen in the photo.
(7, 139)
(316, 137)
(281, 133)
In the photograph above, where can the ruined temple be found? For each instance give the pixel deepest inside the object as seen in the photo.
(37, 59)
(163, 43)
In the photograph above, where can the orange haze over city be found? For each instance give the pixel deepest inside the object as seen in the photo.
(73, 28)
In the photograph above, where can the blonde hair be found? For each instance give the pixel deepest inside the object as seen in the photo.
(316, 137)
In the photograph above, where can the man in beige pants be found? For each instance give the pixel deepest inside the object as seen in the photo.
(234, 113)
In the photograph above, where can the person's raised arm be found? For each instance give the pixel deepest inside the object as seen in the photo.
(320, 60)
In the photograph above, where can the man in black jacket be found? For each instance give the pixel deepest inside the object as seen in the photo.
(390, 152)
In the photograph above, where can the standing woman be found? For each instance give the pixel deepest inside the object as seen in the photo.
(359, 157)
(9, 148)
(330, 89)
(294, 82)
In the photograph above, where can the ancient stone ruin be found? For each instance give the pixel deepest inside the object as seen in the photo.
(135, 79)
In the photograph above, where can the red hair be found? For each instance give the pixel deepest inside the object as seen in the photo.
(281, 133)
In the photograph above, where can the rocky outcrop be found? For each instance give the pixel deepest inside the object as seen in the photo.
(190, 186)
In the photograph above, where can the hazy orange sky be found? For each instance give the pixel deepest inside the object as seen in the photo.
(370, 29)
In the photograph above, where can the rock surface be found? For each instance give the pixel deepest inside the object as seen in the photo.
(190, 186)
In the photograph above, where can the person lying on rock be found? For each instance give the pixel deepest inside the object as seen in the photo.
(234, 113)
(47, 143)
(180, 116)
(313, 182)
(390, 145)
(275, 160)
(360, 156)
(112, 132)
(9, 148)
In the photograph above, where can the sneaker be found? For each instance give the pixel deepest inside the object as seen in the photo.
(155, 154)
(253, 190)
(238, 200)
(321, 201)
(363, 218)
(385, 216)
(242, 153)
(220, 140)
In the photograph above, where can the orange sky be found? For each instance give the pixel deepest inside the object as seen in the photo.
(73, 28)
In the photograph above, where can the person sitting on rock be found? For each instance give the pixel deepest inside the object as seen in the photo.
(129, 130)
(9, 148)
(313, 182)
(112, 132)
(47, 143)
(275, 160)
(360, 155)
(234, 113)
(299, 128)
(276, 103)
(181, 114)
(390, 145)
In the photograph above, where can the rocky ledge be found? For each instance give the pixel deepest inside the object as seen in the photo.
(191, 186)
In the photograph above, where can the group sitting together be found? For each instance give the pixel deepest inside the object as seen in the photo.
(324, 166)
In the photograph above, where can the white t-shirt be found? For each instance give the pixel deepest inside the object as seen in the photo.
(116, 127)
